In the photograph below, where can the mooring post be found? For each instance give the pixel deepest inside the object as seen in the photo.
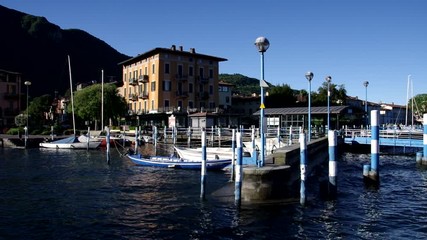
(88, 137)
(189, 137)
(155, 136)
(303, 166)
(175, 134)
(233, 155)
(332, 186)
(219, 136)
(375, 147)
(239, 171)
(203, 169)
(290, 135)
(254, 151)
(424, 159)
(136, 140)
(165, 134)
(107, 139)
(278, 136)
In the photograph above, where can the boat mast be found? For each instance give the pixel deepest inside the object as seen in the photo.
(412, 103)
(72, 97)
(407, 101)
(102, 100)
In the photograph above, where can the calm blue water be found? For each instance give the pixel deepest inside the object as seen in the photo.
(51, 194)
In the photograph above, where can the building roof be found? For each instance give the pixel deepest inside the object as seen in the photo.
(172, 50)
(302, 110)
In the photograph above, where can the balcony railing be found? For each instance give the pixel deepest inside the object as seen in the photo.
(181, 94)
(143, 78)
(143, 95)
(181, 78)
(202, 80)
(133, 81)
(133, 97)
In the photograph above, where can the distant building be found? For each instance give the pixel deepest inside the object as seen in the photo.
(163, 81)
(10, 97)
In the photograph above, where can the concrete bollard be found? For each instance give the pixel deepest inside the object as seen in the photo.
(332, 186)
(303, 166)
(239, 171)
(203, 168)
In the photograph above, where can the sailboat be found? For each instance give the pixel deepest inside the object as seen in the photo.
(72, 142)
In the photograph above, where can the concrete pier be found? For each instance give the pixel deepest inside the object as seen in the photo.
(280, 177)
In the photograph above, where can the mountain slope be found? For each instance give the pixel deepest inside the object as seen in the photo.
(38, 49)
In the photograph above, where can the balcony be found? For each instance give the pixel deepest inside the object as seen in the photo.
(133, 97)
(181, 78)
(203, 95)
(133, 81)
(181, 94)
(143, 79)
(143, 95)
(203, 80)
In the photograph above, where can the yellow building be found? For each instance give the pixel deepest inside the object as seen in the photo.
(169, 80)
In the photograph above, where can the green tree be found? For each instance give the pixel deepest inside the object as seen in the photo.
(338, 95)
(418, 104)
(280, 96)
(87, 103)
(37, 109)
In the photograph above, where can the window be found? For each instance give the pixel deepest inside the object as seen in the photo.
(152, 104)
(190, 71)
(210, 89)
(167, 86)
(166, 103)
(210, 73)
(180, 70)
(190, 104)
(153, 86)
(146, 71)
(190, 88)
(227, 99)
(153, 68)
(201, 72)
(124, 77)
(167, 68)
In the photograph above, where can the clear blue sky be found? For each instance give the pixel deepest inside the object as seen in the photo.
(380, 41)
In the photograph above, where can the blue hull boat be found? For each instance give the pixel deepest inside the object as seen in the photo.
(175, 162)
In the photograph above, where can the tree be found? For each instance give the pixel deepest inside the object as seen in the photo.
(87, 103)
(280, 96)
(37, 109)
(418, 104)
(338, 95)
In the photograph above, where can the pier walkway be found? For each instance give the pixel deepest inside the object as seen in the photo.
(394, 138)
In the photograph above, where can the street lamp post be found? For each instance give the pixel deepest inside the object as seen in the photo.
(328, 80)
(27, 83)
(309, 76)
(366, 83)
(262, 45)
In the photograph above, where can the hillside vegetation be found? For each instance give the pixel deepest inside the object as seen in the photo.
(38, 49)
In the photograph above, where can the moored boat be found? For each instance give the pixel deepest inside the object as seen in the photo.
(176, 162)
(71, 143)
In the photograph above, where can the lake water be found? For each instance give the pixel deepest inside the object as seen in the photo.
(60, 194)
